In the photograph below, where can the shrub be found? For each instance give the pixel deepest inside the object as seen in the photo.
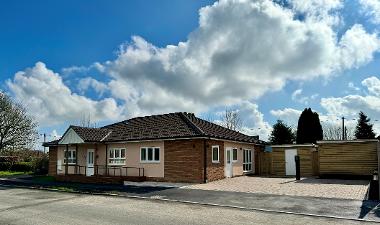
(41, 165)
(23, 167)
(4, 166)
(17, 167)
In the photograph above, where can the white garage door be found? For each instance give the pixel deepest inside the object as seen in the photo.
(290, 163)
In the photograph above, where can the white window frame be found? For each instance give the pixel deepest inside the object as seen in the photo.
(71, 158)
(117, 161)
(212, 154)
(249, 162)
(153, 154)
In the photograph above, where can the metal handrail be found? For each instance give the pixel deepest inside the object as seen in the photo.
(78, 169)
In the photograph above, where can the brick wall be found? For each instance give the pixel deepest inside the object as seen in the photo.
(53, 155)
(215, 171)
(184, 160)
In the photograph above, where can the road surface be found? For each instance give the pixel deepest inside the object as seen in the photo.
(25, 206)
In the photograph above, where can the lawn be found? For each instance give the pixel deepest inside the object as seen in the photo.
(12, 173)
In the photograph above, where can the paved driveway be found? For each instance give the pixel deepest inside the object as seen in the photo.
(326, 188)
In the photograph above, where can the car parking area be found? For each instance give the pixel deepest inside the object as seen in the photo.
(312, 187)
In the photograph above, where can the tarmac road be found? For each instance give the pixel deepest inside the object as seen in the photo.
(24, 206)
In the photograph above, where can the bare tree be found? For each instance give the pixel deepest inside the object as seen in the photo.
(85, 121)
(231, 119)
(17, 128)
(334, 132)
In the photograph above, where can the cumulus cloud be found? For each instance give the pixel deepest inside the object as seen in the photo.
(297, 97)
(371, 8)
(253, 120)
(373, 85)
(350, 105)
(88, 82)
(288, 115)
(319, 10)
(52, 102)
(240, 51)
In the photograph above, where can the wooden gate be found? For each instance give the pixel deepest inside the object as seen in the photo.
(265, 163)
(315, 163)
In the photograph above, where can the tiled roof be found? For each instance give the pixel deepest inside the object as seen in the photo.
(91, 134)
(170, 125)
(217, 131)
(166, 126)
(50, 143)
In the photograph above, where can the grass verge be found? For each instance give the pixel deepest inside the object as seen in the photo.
(13, 173)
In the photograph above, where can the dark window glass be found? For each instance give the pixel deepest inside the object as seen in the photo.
(215, 154)
(150, 154)
(143, 154)
(156, 154)
(234, 154)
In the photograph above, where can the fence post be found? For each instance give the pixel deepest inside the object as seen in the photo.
(298, 171)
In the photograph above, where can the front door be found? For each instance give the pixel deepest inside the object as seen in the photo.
(290, 163)
(228, 163)
(90, 162)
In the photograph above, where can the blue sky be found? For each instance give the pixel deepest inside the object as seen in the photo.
(112, 60)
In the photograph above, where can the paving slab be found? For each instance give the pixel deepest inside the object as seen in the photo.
(310, 187)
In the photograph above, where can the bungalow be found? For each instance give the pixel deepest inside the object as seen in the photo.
(174, 147)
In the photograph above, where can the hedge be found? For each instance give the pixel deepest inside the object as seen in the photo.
(18, 166)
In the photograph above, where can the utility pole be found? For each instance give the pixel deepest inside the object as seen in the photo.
(343, 129)
(44, 142)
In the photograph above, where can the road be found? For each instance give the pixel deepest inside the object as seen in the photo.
(25, 206)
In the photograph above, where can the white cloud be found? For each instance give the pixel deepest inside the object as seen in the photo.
(288, 115)
(239, 45)
(373, 85)
(240, 51)
(74, 69)
(319, 10)
(52, 102)
(54, 135)
(297, 97)
(371, 8)
(350, 105)
(253, 120)
(356, 47)
(352, 86)
(88, 82)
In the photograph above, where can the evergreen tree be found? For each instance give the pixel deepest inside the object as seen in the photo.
(309, 128)
(281, 134)
(364, 129)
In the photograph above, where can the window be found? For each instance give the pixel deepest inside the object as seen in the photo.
(150, 154)
(234, 155)
(215, 154)
(71, 155)
(247, 160)
(117, 156)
